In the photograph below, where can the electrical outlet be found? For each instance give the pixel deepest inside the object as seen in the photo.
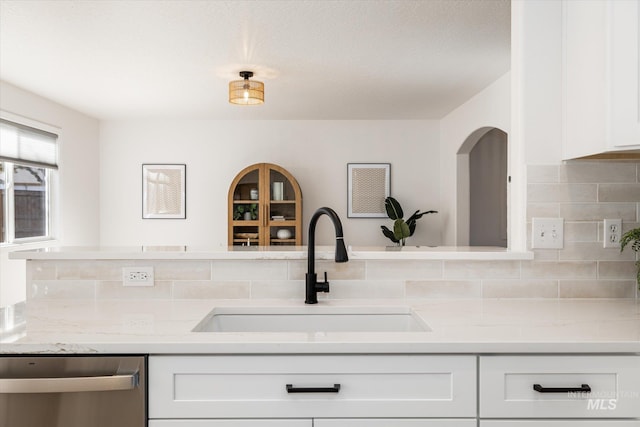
(137, 276)
(612, 233)
(547, 233)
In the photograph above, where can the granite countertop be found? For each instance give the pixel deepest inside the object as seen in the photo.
(458, 326)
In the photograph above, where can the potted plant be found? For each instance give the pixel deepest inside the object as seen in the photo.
(240, 210)
(401, 228)
(632, 237)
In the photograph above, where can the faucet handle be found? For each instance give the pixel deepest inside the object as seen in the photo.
(323, 286)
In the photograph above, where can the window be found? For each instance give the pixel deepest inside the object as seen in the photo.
(28, 160)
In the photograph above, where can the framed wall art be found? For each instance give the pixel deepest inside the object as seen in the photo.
(368, 185)
(164, 191)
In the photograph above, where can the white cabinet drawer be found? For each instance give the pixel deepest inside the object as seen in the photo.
(507, 386)
(565, 423)
(363, 422)
(407, 386)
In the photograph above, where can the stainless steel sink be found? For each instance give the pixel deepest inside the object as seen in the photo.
(312, 319)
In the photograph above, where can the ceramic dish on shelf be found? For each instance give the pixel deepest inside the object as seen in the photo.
(245, 235)
(284, 234)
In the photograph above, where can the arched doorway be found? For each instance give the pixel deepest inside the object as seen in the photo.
(482, 189)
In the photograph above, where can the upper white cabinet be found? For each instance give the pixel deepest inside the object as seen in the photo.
(601, 77)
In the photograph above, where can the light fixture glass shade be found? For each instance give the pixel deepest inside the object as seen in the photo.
(246, 92)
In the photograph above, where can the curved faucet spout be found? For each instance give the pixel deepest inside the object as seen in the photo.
(312, 284)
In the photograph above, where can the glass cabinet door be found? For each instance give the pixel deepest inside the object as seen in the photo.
(283, 209)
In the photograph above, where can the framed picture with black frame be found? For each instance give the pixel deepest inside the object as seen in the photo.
(164, 191)
(368, 184)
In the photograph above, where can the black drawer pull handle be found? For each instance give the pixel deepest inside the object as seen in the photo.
(584, 388)
(292, 389)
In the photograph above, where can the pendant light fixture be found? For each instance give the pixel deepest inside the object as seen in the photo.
(246, 92)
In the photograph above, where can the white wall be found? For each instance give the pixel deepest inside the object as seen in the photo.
(78, 208)
(315, 152)
(489, 108)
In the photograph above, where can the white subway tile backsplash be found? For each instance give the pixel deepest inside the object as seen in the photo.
(79, 270)
(545, 254)
(287, 289)
(580, 231)
(597, 211)
(180, 270)
(562, 193)
(444, 289)
(597, 289)
(542, 210)
(404, 269)
(115, 290)
(209, 289)
(381, 289)
(481, 269)
(62, 289)
(41, 270)
(249, 270)
(598, 172)
(520, 289)
(559, 270)
(616, 269)
(619, 193)
(592, 251)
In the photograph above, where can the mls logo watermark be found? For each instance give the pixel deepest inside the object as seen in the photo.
(602, 404)
(602, 401)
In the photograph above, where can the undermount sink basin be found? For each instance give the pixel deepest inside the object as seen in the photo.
(312, 319)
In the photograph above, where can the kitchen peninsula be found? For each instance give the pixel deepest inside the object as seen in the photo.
(476, 360)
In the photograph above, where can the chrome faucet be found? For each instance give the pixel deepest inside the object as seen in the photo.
(312, 284)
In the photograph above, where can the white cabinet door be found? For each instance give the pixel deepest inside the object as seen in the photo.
(584, 76)
(309, 386)
(567, 423)
(230, 423)
(601, 77)
(624, 114)
(392, 422)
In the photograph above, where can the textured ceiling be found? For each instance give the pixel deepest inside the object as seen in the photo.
(319, 59)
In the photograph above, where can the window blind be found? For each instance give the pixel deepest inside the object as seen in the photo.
(27, 145)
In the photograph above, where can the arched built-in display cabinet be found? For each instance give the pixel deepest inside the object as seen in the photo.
(265, 207)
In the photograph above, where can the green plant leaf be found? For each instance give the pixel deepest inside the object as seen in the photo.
(417, 215)
(400, 229)
(388, 233)
(412, 227)
(633, 237)
(394, 210)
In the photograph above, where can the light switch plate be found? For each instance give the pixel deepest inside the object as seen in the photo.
(547, 233)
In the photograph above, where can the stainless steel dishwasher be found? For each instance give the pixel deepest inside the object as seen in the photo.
(73, 391)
